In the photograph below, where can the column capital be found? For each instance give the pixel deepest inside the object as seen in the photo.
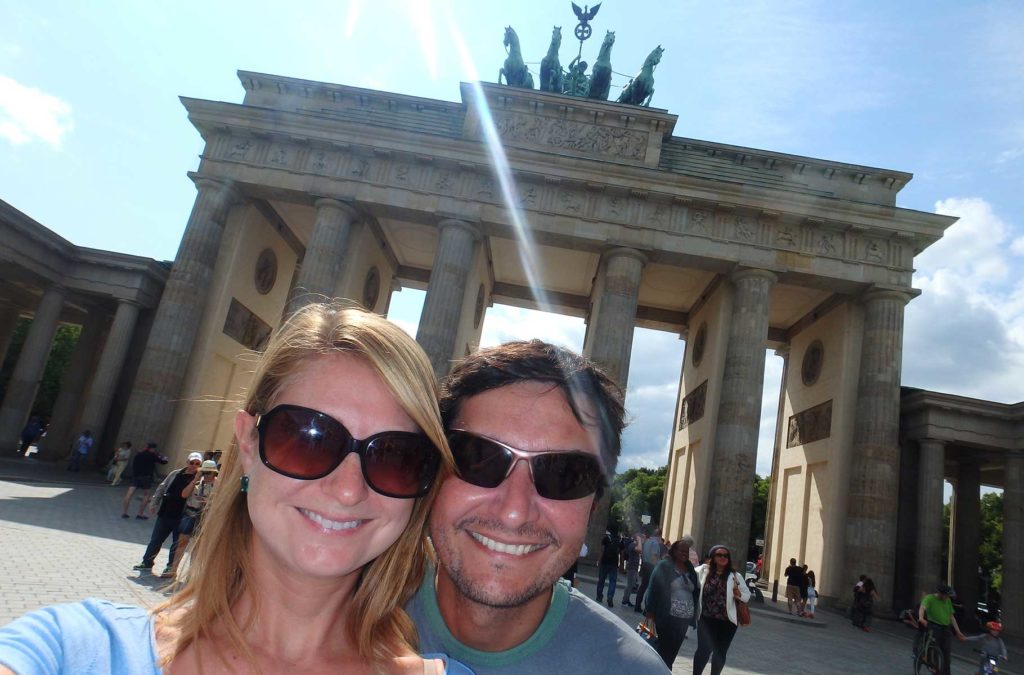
(472, 229)
(132, 302)
(876, 293)
(215, 184)
(624, 251)
(784, 351)
(345, 207)
(741, 274)
(930, 440)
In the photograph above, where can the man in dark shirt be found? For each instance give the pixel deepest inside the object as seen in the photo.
(608, 567)
(143, 469)
(794, 580)
(168, 505)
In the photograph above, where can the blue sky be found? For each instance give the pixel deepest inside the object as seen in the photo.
(95, 145)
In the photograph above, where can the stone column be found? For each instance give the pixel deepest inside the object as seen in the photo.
(609, 338)
(322, 264)
(739, 415)
(158, 381)
(108, 372)
(28, 371)
(443, 305)
(930, 475)
(609, 342)
(1013, 545)
(968, 539)
(9, 315)
(874, 468)
(57, 442)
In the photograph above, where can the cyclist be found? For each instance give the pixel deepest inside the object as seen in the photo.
(936, 614)
(991, 644)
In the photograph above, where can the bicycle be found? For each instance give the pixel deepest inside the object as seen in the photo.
(928, 656)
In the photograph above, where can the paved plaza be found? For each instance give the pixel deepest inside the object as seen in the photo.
(63, 540)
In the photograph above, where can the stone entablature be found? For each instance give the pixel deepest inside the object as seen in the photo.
(959, 419)
(793, 234)
(49, 259)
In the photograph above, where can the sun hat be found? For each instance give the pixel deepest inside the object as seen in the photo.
(209, 466)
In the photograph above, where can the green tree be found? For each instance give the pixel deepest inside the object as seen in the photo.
(64, 342)
(634, 493)
(990, 550)
(759, 512)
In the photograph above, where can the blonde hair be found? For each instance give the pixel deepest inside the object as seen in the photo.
(220, 569)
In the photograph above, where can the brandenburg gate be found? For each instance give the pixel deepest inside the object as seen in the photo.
(579, 206)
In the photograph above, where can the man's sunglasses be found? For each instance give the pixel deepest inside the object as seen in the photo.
(486, 463)
(307, 444)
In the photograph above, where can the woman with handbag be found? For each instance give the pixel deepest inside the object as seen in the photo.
(671, 600)
(723, 595)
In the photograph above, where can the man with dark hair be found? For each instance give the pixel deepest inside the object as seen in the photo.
(535, 432)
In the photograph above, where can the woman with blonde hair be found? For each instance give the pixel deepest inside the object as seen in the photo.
(313, 541)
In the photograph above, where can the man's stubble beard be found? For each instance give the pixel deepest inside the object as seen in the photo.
(542, 582)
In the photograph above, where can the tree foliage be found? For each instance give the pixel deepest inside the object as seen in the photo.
(990, 549)
(759, 512)
(64, 342)
(634, 493)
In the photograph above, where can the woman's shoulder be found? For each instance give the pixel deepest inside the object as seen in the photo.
(79, 637)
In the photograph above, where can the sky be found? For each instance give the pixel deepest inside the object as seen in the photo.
(95, 145)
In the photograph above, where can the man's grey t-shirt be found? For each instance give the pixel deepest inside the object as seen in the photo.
(576, 636)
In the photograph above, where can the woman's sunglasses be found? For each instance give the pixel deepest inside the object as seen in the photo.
(307, 444)
(486, 463)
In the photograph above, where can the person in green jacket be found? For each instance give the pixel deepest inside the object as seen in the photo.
(671, 600)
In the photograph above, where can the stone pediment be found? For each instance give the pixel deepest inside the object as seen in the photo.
(545, 122)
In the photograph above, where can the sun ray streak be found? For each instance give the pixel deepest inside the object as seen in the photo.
(527, 247)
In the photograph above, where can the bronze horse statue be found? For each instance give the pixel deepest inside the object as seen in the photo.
(641, 88)
(514, 71)
(551, 76)
(601, 75)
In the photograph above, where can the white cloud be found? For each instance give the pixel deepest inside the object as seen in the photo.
(28, 114)
(965, 334)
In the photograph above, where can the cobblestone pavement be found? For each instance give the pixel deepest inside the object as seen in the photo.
(63, 540)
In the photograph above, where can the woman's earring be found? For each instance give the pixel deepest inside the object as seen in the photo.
(244, 484)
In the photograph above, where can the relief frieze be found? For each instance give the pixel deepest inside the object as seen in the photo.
(691, 409)
(568, 135)
(810, 425)
(637, 209)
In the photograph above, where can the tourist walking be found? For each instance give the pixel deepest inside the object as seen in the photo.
(195, 505)
(720, 589)
(794, 580)
(652, 553)
(168, 506)
(143, 471)
(30, 433)
(80, 450)
(671, 600)
(121, 457)
(864, 598)
(608, 567)
(812, 595)
(303, 565)
(631, 567)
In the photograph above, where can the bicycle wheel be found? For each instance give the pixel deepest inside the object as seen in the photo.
(928, 661)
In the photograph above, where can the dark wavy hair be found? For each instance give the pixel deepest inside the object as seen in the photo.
(595, 399)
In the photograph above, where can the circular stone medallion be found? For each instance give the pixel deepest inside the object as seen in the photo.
(814, 358)
(266, 271)
(699, 342)
(371, 288)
